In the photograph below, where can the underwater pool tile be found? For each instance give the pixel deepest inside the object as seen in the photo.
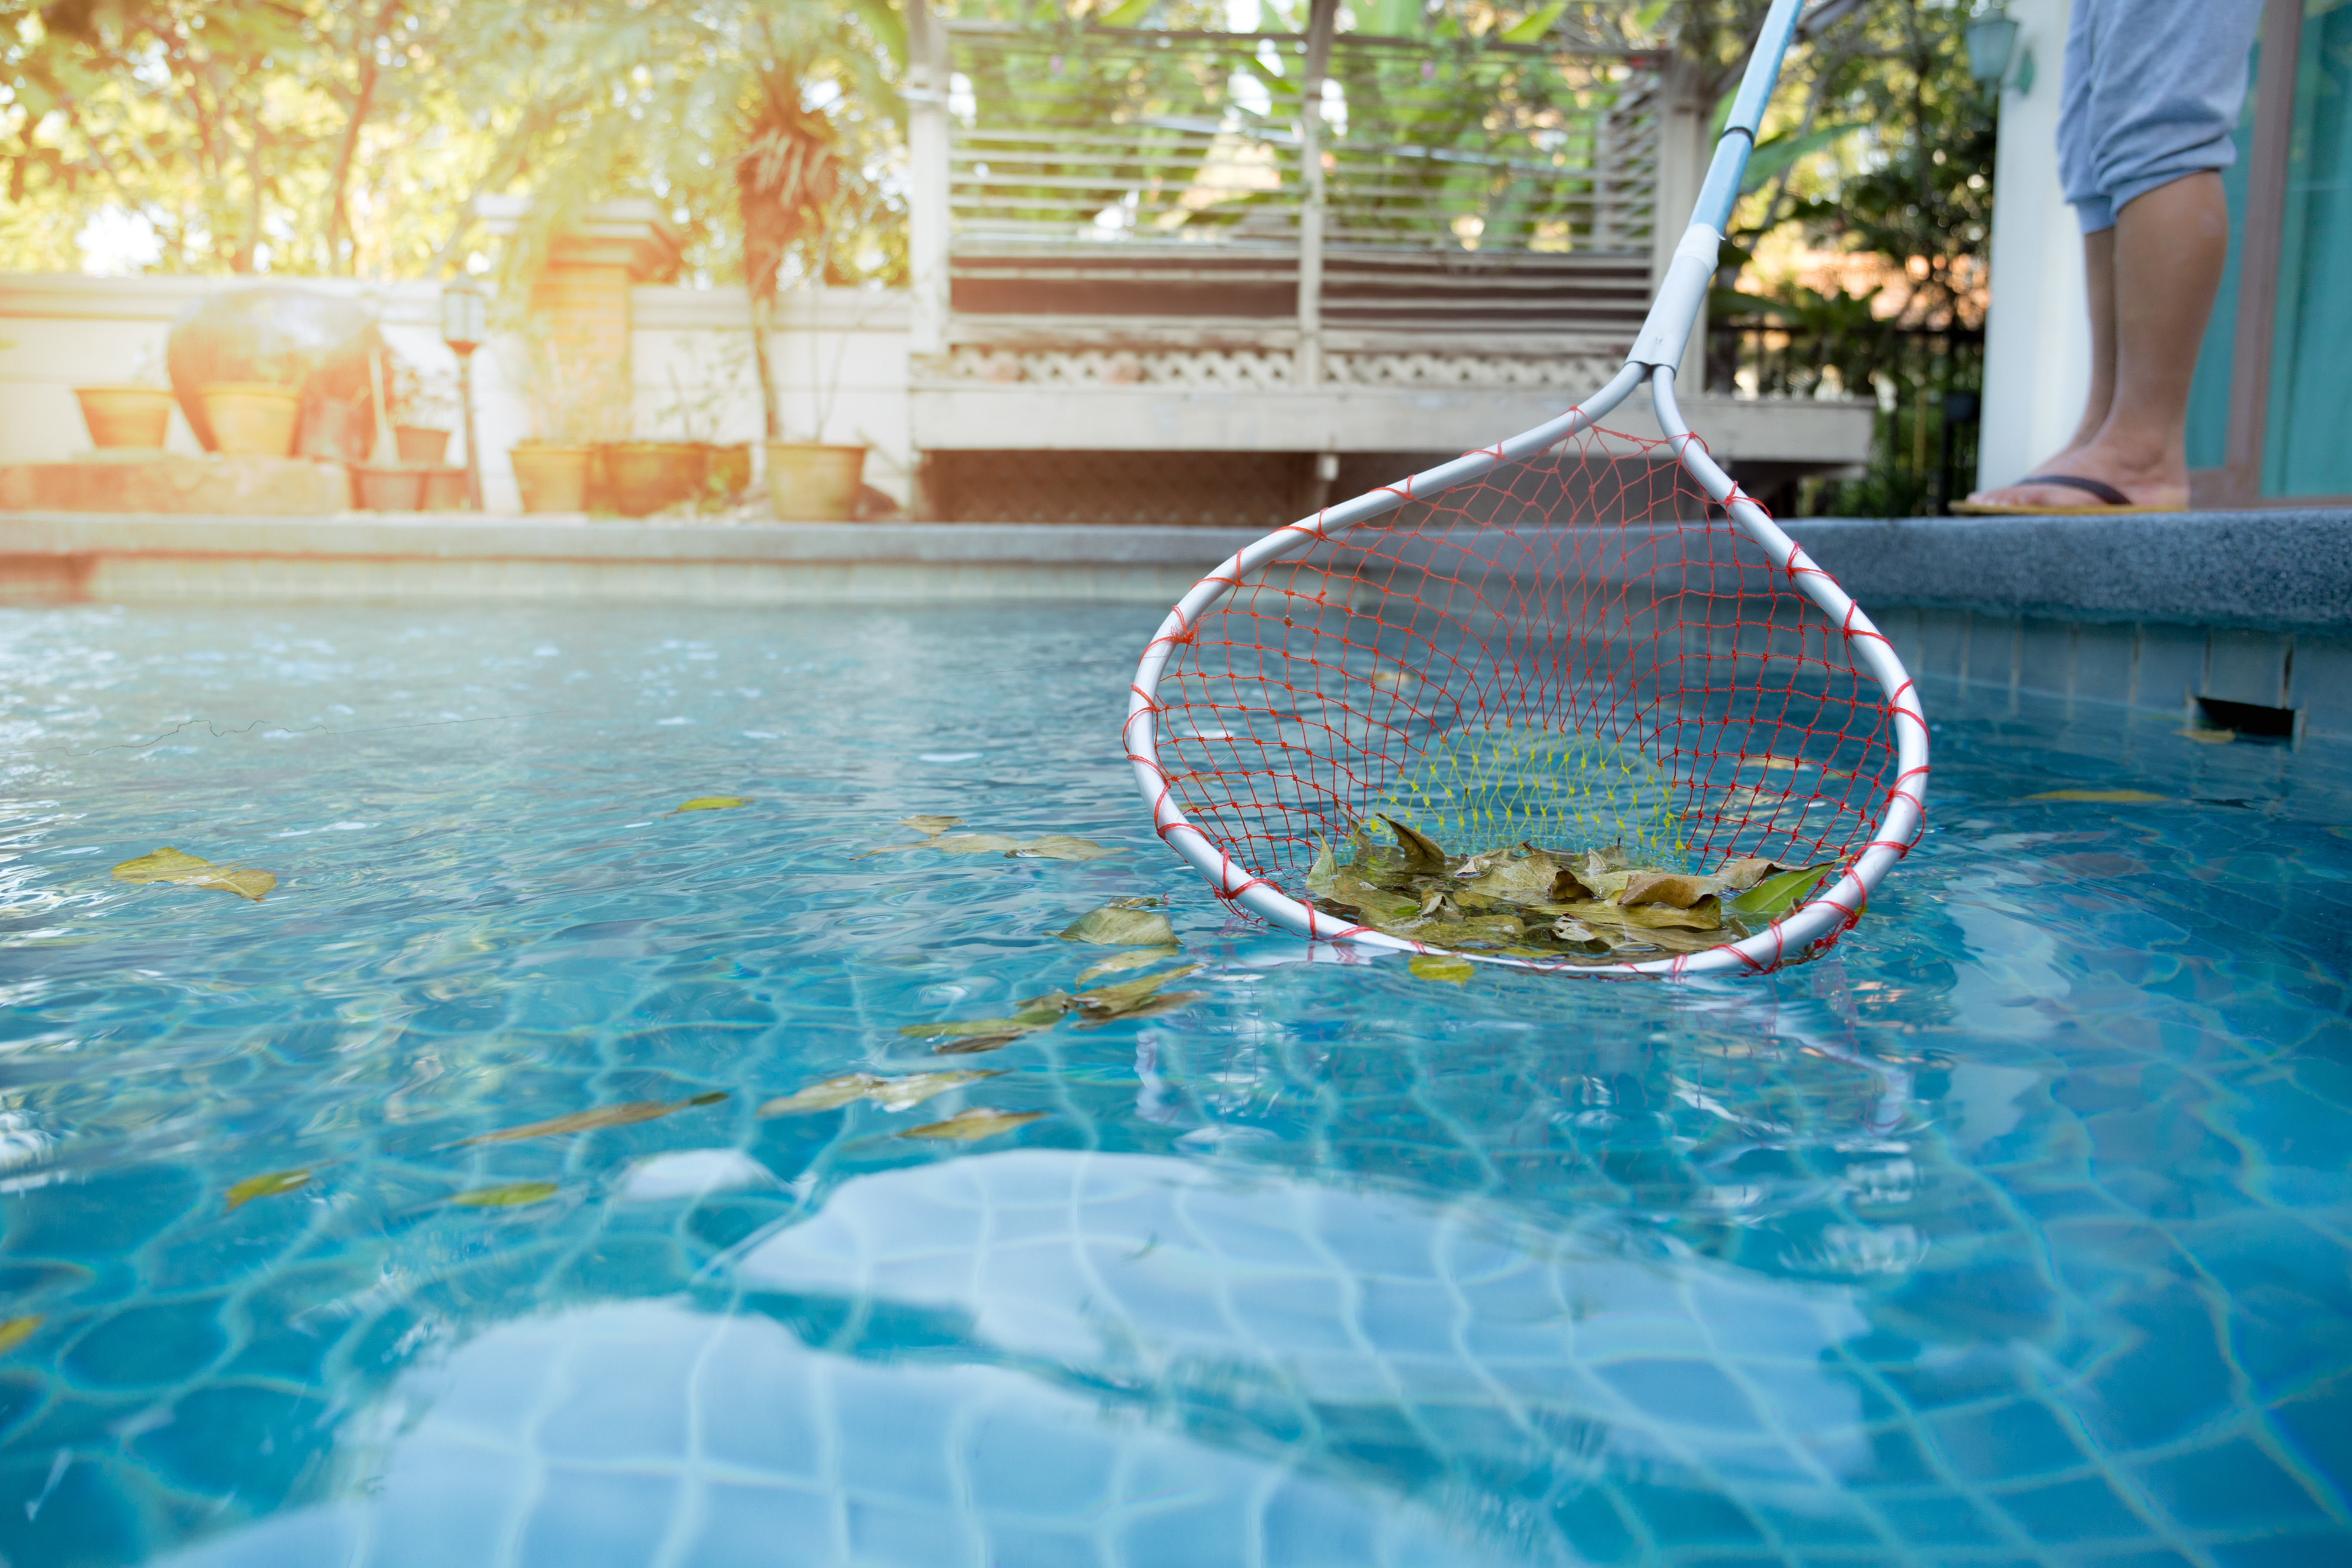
(602, 1518)
(1682, 1393)
(2230, 1488)
(2088, 1509)
(2016, 1437)
(149, 1347)
(745, 1525)
(891, 1534)
(442, 1501)
(618, 1401)
(252, 1442)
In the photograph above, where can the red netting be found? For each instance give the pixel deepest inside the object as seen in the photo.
(1577, 650)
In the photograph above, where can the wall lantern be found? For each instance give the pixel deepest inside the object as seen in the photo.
(1990, 41)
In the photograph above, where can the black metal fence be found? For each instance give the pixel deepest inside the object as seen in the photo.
(1927, 384)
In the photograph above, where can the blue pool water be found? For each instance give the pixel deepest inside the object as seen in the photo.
(2017, 1230)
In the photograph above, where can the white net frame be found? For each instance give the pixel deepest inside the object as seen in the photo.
(1901, 730)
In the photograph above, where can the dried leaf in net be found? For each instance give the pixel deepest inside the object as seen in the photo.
(1776, 895)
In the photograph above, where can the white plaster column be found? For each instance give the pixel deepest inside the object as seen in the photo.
(2037, 331)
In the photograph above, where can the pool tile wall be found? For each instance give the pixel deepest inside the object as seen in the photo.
(2156, 665)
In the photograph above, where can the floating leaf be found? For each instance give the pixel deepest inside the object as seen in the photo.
(1422, 854)
(589, 1120)
(713, 803)
(830, 1095)
(1121, 925)
(514, 1194)
(15, 1332)
(2204, 737)
(1776, 896)
(1050, 846)
(891, 1093)
(1439, 966)
(1118, 962)
(934, 825)
(970, 1126)
(266, 1185)
(2101, 796)
(169, 865)
(1061, 847)
(972, 1045)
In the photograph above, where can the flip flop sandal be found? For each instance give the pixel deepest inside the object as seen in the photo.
(2117, 504)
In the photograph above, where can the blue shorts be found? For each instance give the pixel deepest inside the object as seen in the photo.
(2153, 93)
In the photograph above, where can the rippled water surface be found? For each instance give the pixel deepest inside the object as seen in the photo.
(2015, 1231)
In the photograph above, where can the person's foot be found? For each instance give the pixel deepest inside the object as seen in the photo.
(2161, 485)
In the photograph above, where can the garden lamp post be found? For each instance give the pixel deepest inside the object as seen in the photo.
(465, 323)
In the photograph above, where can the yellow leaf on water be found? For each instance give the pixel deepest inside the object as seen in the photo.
(2204, 737)
(830, 1095)
(514, 1194)
(1061, 847)
(891, 1093)
(1118, 962)
(972, 1045)
(1441, 966)
(589, 1120)
(169, 865)
(970, 1126)
(2101, 796)
(713, 803)
(266, 1185)
(934, 825)
(15, 1332)
(1121, 925)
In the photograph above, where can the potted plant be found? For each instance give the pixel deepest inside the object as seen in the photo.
(135, 414)
(423, 411)
(257, 417)
(571, 401)
(799, 197)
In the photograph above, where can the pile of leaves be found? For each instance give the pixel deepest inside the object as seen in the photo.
(1589, 906)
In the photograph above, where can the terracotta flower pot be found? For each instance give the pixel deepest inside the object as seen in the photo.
(553, 478)
(427, 449)
(646, 476)
(809, 483)
(730, 468)
(397, 488)
(126, 415)
(251, 418)
(445, 490)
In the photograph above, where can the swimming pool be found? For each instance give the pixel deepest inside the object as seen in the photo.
(2016, 1230)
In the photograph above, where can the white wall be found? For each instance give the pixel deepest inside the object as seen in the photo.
(57, 331)
(2037, 331)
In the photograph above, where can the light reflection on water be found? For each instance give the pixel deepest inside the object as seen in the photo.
(2016, 1230)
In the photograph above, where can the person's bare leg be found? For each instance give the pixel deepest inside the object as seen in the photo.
(2168, 247)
